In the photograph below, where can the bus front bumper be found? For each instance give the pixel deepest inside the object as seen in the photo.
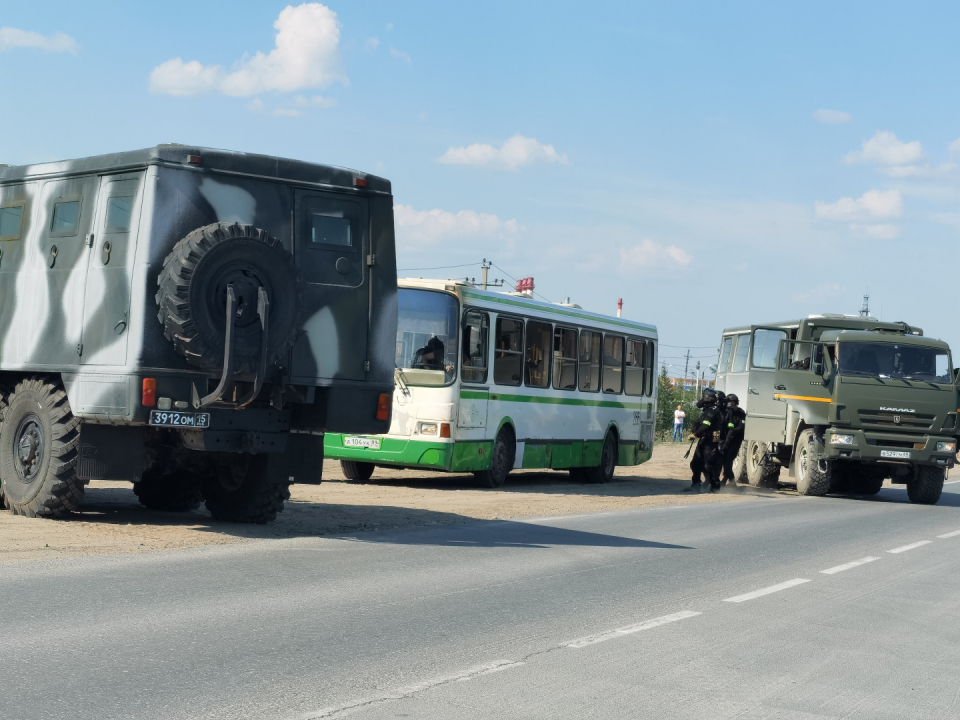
(890, 448)
(398, 451)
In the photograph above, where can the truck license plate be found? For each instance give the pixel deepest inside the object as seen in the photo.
(898, 454)
(164, 418)
(372, 443)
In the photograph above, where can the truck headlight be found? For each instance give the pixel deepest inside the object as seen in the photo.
(430, 428)
(946, 447)
(841, 439)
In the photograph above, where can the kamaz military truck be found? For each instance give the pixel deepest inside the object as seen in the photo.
(190, 320)
(843, 402)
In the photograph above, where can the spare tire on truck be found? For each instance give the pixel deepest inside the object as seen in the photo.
(193, 293)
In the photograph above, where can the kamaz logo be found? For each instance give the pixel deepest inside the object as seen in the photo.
(907, 410)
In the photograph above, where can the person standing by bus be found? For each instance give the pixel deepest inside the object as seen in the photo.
(706, 430)
(731, 437)
(678, 417)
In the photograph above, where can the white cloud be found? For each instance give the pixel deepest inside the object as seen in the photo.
(58, 42)
(316, 101)
(954, 147)
(873, 204)
(821, 291)
(417, 228)
(372, 43)
(514, 153)
(305, 56)
(648, 255)
(255, 105)
(919, 170)
(832, 117)
(881, 231)
(287, 112)
(400, 55)
(951, 219)
(885, 149)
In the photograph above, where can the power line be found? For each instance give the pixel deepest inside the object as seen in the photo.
(515, 280)
(439, 267)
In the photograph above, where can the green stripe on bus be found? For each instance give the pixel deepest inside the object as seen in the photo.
(560, 311)
(473, 395)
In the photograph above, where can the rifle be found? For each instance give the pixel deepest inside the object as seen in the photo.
(692, 441)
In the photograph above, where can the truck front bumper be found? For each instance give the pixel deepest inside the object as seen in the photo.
(890, 448)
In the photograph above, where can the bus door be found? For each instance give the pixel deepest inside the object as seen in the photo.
(766, 414)
(474, 359)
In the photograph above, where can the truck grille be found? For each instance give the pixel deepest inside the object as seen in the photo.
(876, 420)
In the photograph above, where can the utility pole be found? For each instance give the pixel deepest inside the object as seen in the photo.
(485, 265)
(686, 368)
(698, 379)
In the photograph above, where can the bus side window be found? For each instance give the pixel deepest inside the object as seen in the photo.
(651, 364)
(476, 329)
(725, 354)
(590, 343)
(613, 364)
(508, 354)
(536, 369)
(565, 358)
(740, 355)
(634, 379)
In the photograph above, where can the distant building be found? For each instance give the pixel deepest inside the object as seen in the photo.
(690, 383)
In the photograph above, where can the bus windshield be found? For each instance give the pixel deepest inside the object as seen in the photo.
(887, 360)
(427, 337)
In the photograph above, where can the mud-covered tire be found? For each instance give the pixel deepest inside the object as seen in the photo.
(927, 485)
(175, 492)
(193, 289)
(603, 473)
(759, 473)
(501, 461)
(39, 439)
(252, 489)
(813, 474)
(358, 472)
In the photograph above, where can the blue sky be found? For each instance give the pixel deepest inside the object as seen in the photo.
(711, 165)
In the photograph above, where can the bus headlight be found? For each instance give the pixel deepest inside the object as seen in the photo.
(841, 439)
(430, 428)
(946, 447)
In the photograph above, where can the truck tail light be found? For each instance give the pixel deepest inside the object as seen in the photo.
(149, 397)
(383, 407)
(445, 430)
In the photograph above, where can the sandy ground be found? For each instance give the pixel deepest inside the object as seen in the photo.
(111, 521)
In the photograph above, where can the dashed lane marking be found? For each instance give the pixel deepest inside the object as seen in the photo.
(950, 534)
(767, 590)
(911, 546)
(630, 629)
(848, 566)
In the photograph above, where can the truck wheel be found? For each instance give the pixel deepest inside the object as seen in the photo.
(813, 474)
(193, 290)
(866, 483)
(501, 461)
(758, 472)
(740, 465)
(603, 473)
(250, 489)
(357, 471)
(38, 451)
(926, 486)
(169, 492)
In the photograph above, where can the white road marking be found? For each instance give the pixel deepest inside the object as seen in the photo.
(951, 482)
(630, 629)
(911, 546)
(767, 590)
(950, 534)
(847, 566)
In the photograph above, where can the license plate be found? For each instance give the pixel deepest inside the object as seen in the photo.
(898, 454)
(372, 443)
(165, 418)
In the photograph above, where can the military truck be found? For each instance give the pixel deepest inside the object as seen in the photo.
(190, 320)
(842, 402)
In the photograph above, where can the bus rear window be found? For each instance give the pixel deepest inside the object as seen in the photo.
(426, 336)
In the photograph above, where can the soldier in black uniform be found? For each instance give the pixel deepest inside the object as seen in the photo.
(706, 458)
(731, 437)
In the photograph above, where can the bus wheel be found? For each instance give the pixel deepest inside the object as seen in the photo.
(357, 471)
(813, 474)
(926, 486)
(603, 473)
(501, 462)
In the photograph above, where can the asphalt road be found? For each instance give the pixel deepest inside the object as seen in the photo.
(720, 610)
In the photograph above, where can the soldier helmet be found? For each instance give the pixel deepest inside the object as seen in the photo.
(731, 398)
(708, 397)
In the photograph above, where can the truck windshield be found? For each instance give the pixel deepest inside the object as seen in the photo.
(887, 360)
(427, 337)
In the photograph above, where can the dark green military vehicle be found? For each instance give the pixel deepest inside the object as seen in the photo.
(843, 402)
(190, 320)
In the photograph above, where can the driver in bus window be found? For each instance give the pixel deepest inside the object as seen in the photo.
(431, 356)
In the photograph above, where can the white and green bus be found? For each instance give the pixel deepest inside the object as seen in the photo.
(553, 386)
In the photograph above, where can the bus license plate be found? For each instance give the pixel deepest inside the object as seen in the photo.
(164, 418)
(372, 443)
(898, 454)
